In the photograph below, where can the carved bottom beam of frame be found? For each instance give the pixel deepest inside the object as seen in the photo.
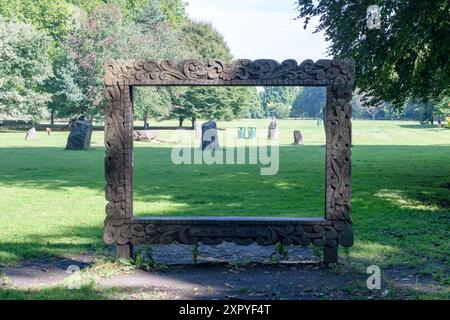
(240, 230)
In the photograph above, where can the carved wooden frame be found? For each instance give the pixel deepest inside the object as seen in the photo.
(124, 230)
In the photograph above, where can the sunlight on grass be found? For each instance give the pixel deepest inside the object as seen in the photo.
(53, 200)
(160, 207)
(373, 252)
(398, 198)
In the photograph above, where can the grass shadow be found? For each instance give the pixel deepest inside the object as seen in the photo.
(418, 126)
(400, 196)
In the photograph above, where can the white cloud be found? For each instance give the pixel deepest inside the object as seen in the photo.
(261, 28)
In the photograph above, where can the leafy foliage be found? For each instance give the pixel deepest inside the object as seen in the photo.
(150, 15)
(86, 33)
(174, 10)
(280, 110)
(210, 103)
(24, 68)
(50, 16)
(419, 109)
(252, 107)
(406, 57)
(155, 103)
(204, 42)
(105, 33)
(309, 103)
(443, 103)
(277, 101)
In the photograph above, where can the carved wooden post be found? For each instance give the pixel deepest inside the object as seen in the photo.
(338, 158)
(118, 165)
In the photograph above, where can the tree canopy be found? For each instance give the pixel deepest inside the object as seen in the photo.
(24, 68)
(83, 34)
(106, 33)
(309, 103)
(277, 101)
(406, 57)
(225, 103)
(64, 43)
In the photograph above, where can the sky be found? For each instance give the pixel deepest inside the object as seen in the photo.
(255, 29)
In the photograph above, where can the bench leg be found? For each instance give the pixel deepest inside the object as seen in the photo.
(330, 255)
(123, 251)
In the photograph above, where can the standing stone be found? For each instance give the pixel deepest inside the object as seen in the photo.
(140, 135)
(298, 138)
(31, 134)
(272, 130)
(210, 138)
(80, 135)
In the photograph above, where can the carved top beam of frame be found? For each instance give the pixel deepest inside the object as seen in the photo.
(243, 72)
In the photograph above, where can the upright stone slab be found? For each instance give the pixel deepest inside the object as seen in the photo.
(272, 130)
(80, 135)
(210, 138)
(31, 134)
(298, 138)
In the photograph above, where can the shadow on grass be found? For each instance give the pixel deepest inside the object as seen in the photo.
(53, 293)
(400, 193)
(418, 126)
(55, 246)
(297, 189)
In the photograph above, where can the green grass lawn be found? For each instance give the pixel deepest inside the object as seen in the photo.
(52, 200)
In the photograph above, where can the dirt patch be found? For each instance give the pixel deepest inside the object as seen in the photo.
(178, 254)
(256, 281)
(406, 277)
(42, 272)
(228, 271)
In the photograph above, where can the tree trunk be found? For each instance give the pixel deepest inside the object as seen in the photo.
(193, 123)
(145, 122)
(180, 121)
(52, 118)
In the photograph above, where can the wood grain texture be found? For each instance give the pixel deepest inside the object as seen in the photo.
(338, 73)
(121, 228)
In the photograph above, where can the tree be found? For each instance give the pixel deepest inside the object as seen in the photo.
(102, 34)
(251, 106)
(151, 102)
(204, 41)
(365, 105)
(49, 16)
(150, 15)
(52, 17)
(209, 103)
(129, 8)
(420, 110)
(406, 57)
(85, 33)
(24, 68)
(273, 95)
(280, 110)
(106, 33)
(309, 103)
(174, 10)
(68, 98)
(443, 103)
